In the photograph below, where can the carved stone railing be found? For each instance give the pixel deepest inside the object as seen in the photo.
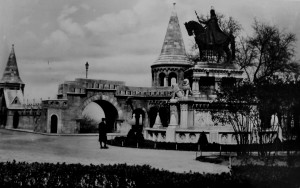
(192, 136)
(156, 135)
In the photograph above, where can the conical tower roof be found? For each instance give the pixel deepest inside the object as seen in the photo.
(173, 50)
(11, 71)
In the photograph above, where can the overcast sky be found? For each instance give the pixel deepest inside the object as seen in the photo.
(120, 39)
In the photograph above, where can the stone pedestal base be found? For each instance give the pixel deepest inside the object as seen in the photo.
(196, 94)
(171, 134)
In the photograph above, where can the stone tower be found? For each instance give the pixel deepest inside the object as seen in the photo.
(11, 77)
(172, 61)
(11, 93)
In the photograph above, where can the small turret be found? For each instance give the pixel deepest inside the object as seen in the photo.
(172, 61)
(11, 78)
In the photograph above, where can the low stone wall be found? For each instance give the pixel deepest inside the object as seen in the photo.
(192, 136)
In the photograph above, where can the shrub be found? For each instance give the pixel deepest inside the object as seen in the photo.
(23, 174)
(88, 125)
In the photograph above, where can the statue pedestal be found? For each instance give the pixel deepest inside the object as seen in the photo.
(196, 94)
(171, 134)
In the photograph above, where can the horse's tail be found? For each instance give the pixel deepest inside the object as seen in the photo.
(232, 45)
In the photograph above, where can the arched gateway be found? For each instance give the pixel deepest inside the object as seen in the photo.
(54, 121)
(109, 104)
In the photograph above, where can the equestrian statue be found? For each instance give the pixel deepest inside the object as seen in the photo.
(211, 39)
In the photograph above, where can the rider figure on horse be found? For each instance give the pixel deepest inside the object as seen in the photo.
(214, 34)
(211, 40)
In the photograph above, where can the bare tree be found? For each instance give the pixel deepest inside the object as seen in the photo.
(267, 53)
(88, 125)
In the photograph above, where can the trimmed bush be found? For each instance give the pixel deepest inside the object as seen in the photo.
(128, 142)
(23, 174)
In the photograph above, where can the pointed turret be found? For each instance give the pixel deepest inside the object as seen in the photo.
(11, 71)
(11, 77)
(173, 50)
(172, 61)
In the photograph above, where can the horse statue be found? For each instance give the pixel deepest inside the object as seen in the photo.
(212, 38)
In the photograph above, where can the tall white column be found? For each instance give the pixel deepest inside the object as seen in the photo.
(171, 129)
(183, 115)
(195, 87)
(165, 81)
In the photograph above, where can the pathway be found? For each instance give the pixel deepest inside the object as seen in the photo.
(30, 147)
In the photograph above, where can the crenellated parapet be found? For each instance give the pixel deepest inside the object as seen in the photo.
(55, 103)
(82, 86)
(145, 93)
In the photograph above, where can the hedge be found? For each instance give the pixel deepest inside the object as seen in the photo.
(125, 142)
(13, 174)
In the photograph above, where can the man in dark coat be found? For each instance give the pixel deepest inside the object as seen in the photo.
(102, 134)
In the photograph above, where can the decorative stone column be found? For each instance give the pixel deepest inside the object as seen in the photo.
(186, 116)
(174, 117)
(195, 87)
(173, 120)
(166, 81)
(171, 130)
(183, 116)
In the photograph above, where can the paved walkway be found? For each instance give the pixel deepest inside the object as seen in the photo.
(30, 147)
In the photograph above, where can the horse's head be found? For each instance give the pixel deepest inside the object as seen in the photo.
(188, 28)
(193, 27)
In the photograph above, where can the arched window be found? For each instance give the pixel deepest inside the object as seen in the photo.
(164, 114)
(172, 78)
(162, 77)
(139, 117)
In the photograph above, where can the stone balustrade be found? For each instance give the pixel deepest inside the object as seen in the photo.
(192, 136)
(156, 135)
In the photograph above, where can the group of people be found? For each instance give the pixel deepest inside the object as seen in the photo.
(102, 128)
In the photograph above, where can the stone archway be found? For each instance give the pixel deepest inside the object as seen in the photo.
(152, 113)
(164, 114)
(110, 107)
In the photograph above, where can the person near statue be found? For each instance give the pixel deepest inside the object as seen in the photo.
(102, 128)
